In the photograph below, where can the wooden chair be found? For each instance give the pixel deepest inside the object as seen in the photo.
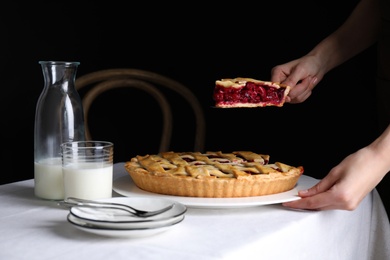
(92, 85)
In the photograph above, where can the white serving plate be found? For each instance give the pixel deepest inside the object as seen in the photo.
(125, 186)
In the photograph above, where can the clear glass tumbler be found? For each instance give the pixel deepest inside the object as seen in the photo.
(87, 168)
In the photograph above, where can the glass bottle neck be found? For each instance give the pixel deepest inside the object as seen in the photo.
(59, 73)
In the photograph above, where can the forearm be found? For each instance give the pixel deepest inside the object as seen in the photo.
(381, 149)
(358, 32)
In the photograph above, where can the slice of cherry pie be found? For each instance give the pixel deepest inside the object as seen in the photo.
(248, 92)
(212, 174)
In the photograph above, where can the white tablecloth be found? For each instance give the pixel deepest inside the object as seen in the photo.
(32, 228)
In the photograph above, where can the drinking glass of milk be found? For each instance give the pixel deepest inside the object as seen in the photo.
(87, 168)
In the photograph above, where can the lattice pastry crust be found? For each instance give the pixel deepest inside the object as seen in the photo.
(212, 174)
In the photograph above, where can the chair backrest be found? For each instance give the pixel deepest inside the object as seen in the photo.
(98, 82)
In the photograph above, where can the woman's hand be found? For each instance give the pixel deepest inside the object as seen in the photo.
(302, 75)
(346, 184)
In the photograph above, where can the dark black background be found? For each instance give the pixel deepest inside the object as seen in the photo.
(194, 44)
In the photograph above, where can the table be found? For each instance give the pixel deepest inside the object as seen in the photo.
(32, 228)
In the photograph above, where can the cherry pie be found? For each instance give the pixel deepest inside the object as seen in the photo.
(247, 92)
(212, 174)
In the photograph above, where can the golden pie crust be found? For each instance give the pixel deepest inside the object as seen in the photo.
(212, 174)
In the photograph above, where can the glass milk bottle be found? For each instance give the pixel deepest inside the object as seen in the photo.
(59, 118)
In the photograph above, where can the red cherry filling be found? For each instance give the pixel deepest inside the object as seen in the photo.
(250, 93)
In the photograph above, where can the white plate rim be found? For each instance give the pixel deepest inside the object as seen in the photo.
(125, 186)
(141, 232)
(121, 226)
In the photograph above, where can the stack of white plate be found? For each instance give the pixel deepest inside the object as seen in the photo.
(113, 222)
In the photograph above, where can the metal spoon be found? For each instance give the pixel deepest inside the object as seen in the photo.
(71, 201)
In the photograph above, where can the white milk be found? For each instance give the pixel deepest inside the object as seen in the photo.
(49, 183)
(88, 180)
